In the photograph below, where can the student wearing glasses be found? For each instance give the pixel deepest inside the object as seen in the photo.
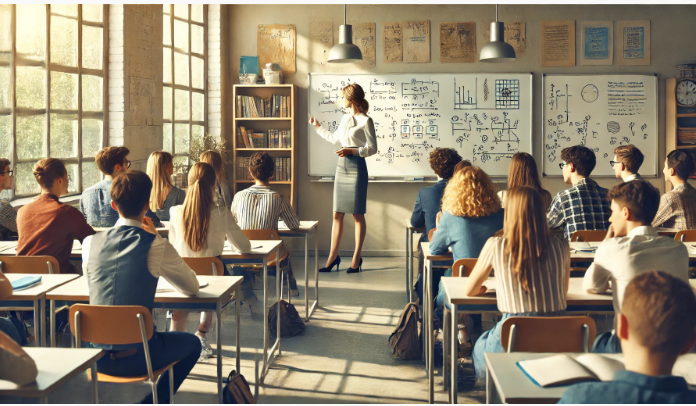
(95, 203)
(627, 161)
(8, 215)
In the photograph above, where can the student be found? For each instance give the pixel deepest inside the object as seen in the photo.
(583, 206)
(164, 195)
(8, 215)
(523, 172)
(532, 269)
(222, 193)
(95, 203)
(17, 366)
(198, 229)
(260, 207)
(678, 207)
(46, 226)
(10, 326)
(143, 256)
(656, 325)
(627, 161)
(632, 247)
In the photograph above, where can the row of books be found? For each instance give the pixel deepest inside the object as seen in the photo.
(686, 135)
(254, 106)
(283, 169)
(259, 139)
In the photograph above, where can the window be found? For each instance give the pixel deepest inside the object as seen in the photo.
(184, 80)
(52, 88)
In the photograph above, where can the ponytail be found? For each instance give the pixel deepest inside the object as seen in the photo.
(356, 96)
(199, 201)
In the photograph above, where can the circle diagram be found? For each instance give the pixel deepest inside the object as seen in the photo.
(613, 127)
(590, 93)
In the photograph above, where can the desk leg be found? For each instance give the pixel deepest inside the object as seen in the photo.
(265, 319)
(316, 270)
(52, 324)
(37, 324)
(95, 384)
(454, 352)
(407, 266)
(279, 292)
(218, 338)
(42, 304)
(238, 298)
(306, 276)
(429, 332)
(489, 386)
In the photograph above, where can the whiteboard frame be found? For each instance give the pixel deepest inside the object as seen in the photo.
(496, 179)
(657, 123)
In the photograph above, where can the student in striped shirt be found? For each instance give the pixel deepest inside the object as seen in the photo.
(259, 208)
(532, 269)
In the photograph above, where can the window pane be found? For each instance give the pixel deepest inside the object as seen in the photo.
(6, 137)
(63, 91)
(197, 106)
(63, 41)
(69, 10)
(181, 104)
(72, 177)
(92, 47)
(181, 138)
(92, 12)
(31, 136)
(90, 174)
(167, 103)
(196, 39)
(197, 72)
(181, 67)
(197, 132)
(181, 10)
(31, 87)
(25, 183)
(92, 130)
(167, 137)
(181, 35)
(63, 135)
(167, 65)
(166, 30)
(5, 29)
(5, 88)
(197, 12)
(31, 31)
(92, 89)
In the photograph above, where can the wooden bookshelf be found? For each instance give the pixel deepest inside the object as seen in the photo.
(676, 116)
(286, 188)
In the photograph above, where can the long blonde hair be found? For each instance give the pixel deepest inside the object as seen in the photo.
(470, 193)
(214, 159)
(526, 232)
(197, 206)
(523, 172)
(157, 165)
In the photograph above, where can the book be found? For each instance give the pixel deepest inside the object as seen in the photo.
(25, 282)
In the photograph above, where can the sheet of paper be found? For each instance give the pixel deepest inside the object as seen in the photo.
(458, 42)
(276, 44)
(686, 368)
(555, 370)
(164, 286)
(364, 37)
(417, 41)
(321, 37)
(633, 42)
(558, 43)
(597, 42)
(392, 34)
(515, 35)
(603, 367)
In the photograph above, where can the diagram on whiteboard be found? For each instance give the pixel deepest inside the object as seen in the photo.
(600, 112)
(486, 117)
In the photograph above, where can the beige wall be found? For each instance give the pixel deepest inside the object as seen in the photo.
(672, 34)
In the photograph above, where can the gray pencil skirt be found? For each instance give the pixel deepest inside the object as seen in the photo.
(350, 186)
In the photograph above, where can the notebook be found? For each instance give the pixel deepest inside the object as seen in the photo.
(25, 282)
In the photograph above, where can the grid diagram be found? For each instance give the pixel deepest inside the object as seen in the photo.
(507, 94)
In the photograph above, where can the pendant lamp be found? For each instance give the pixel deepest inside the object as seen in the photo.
(345, 51)
(497, 50)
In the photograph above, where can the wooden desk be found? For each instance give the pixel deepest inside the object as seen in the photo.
(409, 257)
(667, 231)
(9, 248)
(34, 298)
(307, 229)
(163, 231)
(211, 297)
(56, 366)
(576, 255)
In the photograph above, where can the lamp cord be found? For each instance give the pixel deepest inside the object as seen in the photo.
(344, 14)
(496, 13)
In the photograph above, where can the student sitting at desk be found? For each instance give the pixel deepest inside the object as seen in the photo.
(678, 206)
(583, 206)
(198, 229)
(160, 167)
(47, 226)
(143, 256)
(627, 161)
(532, 269)
(95, 202)
(656, 324)
(632, 247)
(523, 172)
(8, 215)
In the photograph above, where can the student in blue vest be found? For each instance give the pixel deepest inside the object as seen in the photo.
(143, 256)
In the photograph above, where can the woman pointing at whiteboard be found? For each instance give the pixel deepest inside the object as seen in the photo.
(356, 134)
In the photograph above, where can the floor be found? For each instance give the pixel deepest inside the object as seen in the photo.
(341, 357)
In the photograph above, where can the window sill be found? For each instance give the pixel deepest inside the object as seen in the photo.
(71, 200)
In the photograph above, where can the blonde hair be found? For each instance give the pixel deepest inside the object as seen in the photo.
(470, 193)
(161, 181)
(214, 159)
(356, 96)
(197, 206)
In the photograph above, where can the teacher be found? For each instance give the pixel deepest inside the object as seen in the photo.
(356, 134)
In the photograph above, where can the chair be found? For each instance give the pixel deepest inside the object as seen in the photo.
(589, 235)
(40, 264)
(686, 236)
(207, 266)
(118, 325)
(548, 334)
(270, 234)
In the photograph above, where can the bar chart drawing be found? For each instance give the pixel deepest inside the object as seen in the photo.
(465, 97)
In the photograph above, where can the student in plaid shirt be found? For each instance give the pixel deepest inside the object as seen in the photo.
(678, 207)
(584, 206)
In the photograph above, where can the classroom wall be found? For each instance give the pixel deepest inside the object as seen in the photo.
(672, 32)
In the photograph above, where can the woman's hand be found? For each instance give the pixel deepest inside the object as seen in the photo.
(313, 121)
(346, 151)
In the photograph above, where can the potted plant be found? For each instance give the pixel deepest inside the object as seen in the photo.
(198, 146)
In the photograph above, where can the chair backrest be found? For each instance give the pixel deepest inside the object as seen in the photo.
(114, 325)
(267, 234)
(430, 234)
(548, 334)
(211, 266)
(463, 266)
(589, 235)
(41, 264)
(686, 236)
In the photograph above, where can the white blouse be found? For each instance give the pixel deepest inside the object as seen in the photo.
(221, 224)
(354, 131)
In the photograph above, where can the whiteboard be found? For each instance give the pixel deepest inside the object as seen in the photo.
(600, 112)
(487, 117)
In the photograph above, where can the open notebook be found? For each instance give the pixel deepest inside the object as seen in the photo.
(164, 286)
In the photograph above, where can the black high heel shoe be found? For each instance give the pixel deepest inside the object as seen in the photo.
(355, 270)
(336, 262)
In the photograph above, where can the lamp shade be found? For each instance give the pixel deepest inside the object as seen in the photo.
(497, 50)
(345, 51)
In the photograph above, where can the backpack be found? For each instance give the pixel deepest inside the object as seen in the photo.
(291, 323)
(237, 390)
(405, 341)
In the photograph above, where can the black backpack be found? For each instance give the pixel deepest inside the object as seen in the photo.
(291, 323)
(405, 341)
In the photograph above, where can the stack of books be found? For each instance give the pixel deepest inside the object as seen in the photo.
(253, 106)
(283, 169)
(686, 135)
(248, 138)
